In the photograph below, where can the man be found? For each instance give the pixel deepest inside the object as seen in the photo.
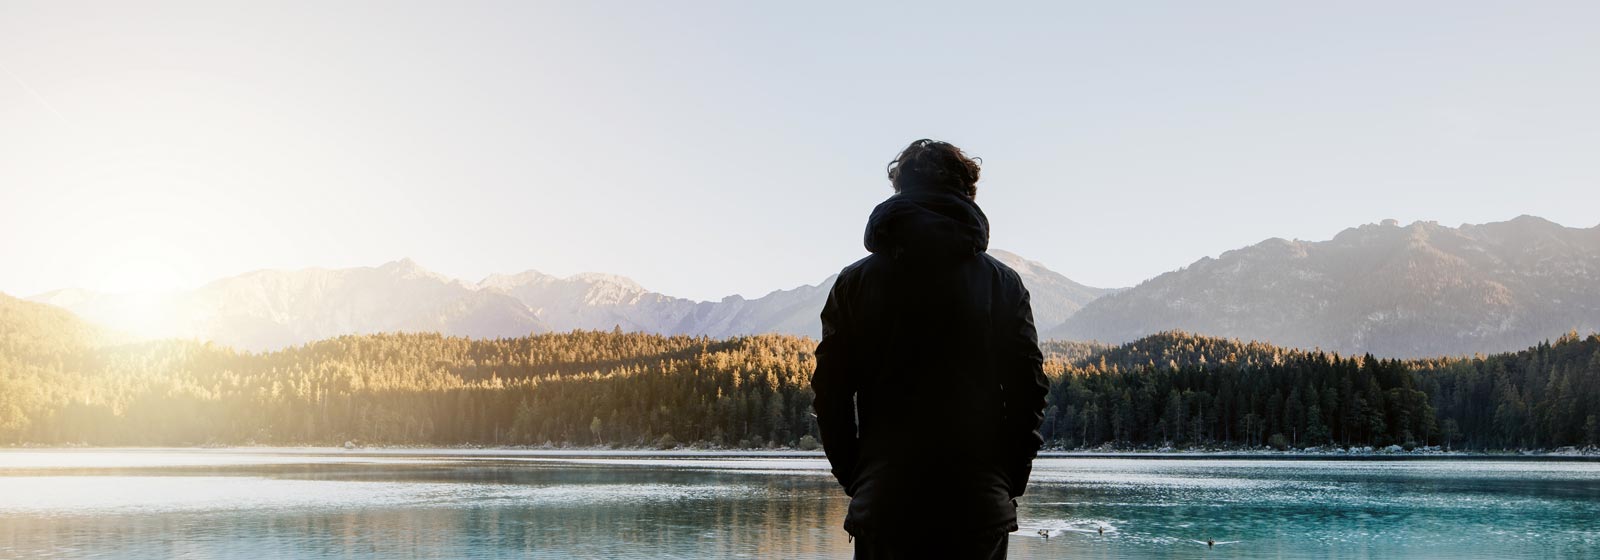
(930, 383)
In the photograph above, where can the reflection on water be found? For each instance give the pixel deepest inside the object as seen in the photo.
(296, 503)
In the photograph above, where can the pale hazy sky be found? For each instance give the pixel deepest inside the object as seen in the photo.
(714, 148)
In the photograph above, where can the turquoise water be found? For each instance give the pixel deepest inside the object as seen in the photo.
(456, 504)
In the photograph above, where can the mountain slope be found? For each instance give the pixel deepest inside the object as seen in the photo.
(30, 330)
(1055, 297)
(1417, 290)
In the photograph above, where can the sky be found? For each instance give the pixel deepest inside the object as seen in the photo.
(707, 149)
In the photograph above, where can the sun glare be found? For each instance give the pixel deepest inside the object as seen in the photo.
(144, 265)
(145, 272)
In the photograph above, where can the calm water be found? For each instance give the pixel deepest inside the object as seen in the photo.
(448, 504)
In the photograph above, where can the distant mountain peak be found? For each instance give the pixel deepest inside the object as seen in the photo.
(1018, 263)
(400, 264)
(406, 267)
(1533, 220)
(618, 281)
(589, 288)
(65, 297)
(1276, 247)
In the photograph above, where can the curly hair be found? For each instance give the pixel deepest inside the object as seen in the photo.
(931, 164)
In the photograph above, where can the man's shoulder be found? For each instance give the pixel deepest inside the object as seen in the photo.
(1006, 273)
(854, 270)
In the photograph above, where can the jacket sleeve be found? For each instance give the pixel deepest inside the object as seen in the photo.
(1025, 386)
(834, 385)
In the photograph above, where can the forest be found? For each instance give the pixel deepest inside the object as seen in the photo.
(63, 382)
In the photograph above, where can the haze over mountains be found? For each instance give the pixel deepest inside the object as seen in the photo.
(1395, 291)
(272, 309)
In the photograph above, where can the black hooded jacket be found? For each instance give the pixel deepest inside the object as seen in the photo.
(929, 384)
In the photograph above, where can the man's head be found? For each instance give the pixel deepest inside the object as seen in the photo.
(933, 165)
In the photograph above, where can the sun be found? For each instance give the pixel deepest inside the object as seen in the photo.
(141, 277)
(144, 274)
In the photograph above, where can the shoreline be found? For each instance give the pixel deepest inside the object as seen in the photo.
(490, 452)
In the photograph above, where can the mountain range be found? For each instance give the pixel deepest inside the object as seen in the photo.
(1396, 291)
(271, 309)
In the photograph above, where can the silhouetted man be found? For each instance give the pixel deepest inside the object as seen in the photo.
(929, 383)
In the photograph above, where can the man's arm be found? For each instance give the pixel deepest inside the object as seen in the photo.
(1025, 388)
(835, 389)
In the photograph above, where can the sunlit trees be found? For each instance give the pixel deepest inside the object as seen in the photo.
(61, 382)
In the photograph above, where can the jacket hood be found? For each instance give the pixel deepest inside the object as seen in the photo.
(927, 225)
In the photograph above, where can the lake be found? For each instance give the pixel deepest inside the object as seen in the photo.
(321, 503)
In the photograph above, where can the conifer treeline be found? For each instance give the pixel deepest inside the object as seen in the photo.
(59, 385)
(1184, 390)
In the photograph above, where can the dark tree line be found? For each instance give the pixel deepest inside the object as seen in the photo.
(1179, 389)
(63, 383)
